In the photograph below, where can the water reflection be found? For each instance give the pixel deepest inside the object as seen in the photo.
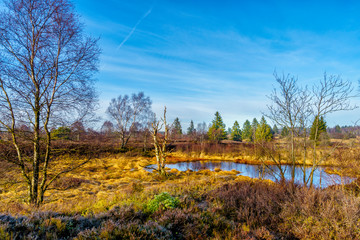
(321, 178)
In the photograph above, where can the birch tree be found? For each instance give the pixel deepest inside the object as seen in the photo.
(160, 142)
(294, 108)
(46, 69)
(128, 113)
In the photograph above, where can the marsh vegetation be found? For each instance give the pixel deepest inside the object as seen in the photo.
(62, 179)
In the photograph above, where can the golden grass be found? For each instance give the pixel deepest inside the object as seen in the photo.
(113, 180)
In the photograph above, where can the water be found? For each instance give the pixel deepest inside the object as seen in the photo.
(272, 172)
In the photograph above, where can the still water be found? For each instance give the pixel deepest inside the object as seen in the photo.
(321, 178)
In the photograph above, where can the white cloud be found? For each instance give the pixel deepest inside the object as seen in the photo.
(196, 73)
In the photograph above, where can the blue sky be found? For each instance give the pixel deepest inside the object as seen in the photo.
(199, 57)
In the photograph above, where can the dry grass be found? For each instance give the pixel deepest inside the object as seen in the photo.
(107, 199)
(103, 183)
(120, 178)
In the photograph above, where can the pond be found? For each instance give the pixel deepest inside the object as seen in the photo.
(272, 172)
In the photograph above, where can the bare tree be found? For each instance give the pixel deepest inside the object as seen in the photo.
(107, 128)
(128, 113)
(160, 142)
(78, 129)
(201, 133)
(333, 94)
(289, 108)
(295, 108)
(46, 67)
(146, 128)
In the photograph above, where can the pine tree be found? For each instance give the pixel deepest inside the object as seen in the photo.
(236, 132)
(191, 128)
(254, 126)
(228, 132)
(320, 125)
(246, 132)
(275, 129)
(217, 129)
(284, 132)
(177, 126)
(263, 131)
(337, 129)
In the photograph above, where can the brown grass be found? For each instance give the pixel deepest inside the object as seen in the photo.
(113, 177)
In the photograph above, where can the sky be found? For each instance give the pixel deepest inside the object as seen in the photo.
(199, 57)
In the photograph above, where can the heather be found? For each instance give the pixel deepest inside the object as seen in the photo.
(234, 209)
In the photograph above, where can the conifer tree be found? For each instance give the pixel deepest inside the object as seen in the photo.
(177, 126)
(229, 131)
(284, 132)
(275, 129)
(236, 132)
(318, 127)
(217, 129)
(246, 132)
(337, 129)
(263, 131)
(191, 128)
(254, 126)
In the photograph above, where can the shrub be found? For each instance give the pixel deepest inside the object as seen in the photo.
(162, 201)
(256, 204)
(61, 133)
(322, 214)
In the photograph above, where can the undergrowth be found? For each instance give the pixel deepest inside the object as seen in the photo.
(232, 210)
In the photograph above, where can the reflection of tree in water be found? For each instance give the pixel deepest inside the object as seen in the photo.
(271, 172)
(205, 165)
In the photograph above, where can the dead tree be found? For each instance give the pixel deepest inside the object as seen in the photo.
(160, 142)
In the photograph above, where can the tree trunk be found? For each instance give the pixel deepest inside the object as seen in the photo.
(314, 149)
(36, 158)
(293, 157)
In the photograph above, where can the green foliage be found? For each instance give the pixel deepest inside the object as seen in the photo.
(236, 132)
(284, 132)
(229, 131)
(275, 129)
(177, 126)
(254, 126)
(61, 133)
(162, 201)
(337, 129)
(263, 131)
(246, 132)
(191, 128)
(217, 130)
(318, 127)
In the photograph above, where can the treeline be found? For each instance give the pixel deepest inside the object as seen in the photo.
(131, 119)
(216, 131)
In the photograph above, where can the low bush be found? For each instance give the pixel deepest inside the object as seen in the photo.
(236, 210)
(162, 201)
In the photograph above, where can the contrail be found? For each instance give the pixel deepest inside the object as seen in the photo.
(134, 28)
